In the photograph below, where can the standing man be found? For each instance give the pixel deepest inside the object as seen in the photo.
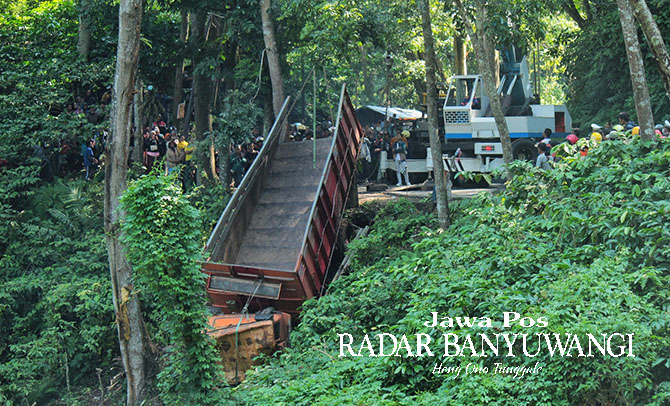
(366, 157)
(399, 148)
(89, 159)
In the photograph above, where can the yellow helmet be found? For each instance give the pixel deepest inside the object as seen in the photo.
(405, 133)
(596, 136)
(636, 130)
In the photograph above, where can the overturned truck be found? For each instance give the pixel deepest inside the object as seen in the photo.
(274, 243)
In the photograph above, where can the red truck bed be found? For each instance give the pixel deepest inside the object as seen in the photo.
(274, 241)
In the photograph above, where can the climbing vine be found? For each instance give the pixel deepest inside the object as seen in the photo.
(163, 245)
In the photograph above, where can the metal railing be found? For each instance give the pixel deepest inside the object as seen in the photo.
(328, 208)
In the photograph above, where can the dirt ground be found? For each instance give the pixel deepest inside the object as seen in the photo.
(393, 192)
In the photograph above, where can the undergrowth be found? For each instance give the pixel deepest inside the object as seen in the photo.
(584, 245)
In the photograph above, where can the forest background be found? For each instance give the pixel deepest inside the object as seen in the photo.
(58, 340)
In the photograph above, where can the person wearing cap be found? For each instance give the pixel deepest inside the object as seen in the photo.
(597, 137)
(258, 143)
(625, 121)
(596, 134)
(399, 146)
(612, 135)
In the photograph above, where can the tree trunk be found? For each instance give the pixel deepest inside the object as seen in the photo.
(654, 39)
(460, 55)
(433, 136)
(202, 93)
(139, 124)
(268, 116)
(186, 128)
(126, 303)
(645, 117)
(273, 57)
(179, 70)
(368, 87)
(484, 54)
(224, 163)
(84, 39)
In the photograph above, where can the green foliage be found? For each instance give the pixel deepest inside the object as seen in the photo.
(55, 301)
(584, 245)
(210, 201)
(163, 245)
(38, 77)
(236, 120)
(346, 41)
(599, 85)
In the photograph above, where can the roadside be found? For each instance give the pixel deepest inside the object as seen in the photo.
(415, 193)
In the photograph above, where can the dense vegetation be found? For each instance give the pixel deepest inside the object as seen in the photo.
(598, 80)
(585, 246)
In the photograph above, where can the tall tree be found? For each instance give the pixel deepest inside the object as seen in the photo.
(433, 136)
(85, 22)
(654, 39)
(179, 69)
(460, 54)
(203, 90)
(570, 8)
(138, 100)
(273, 57)
(485, 58)
(645, 117)
(126, 302)
(368, 86)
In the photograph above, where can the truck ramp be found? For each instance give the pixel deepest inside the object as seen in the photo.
(274, 242)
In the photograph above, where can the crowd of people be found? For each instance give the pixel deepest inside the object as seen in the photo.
(389, 136)
(68, 154)
(243, 155)
(608, 132)
(164, 145)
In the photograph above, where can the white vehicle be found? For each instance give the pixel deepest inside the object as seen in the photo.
(471, 140)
